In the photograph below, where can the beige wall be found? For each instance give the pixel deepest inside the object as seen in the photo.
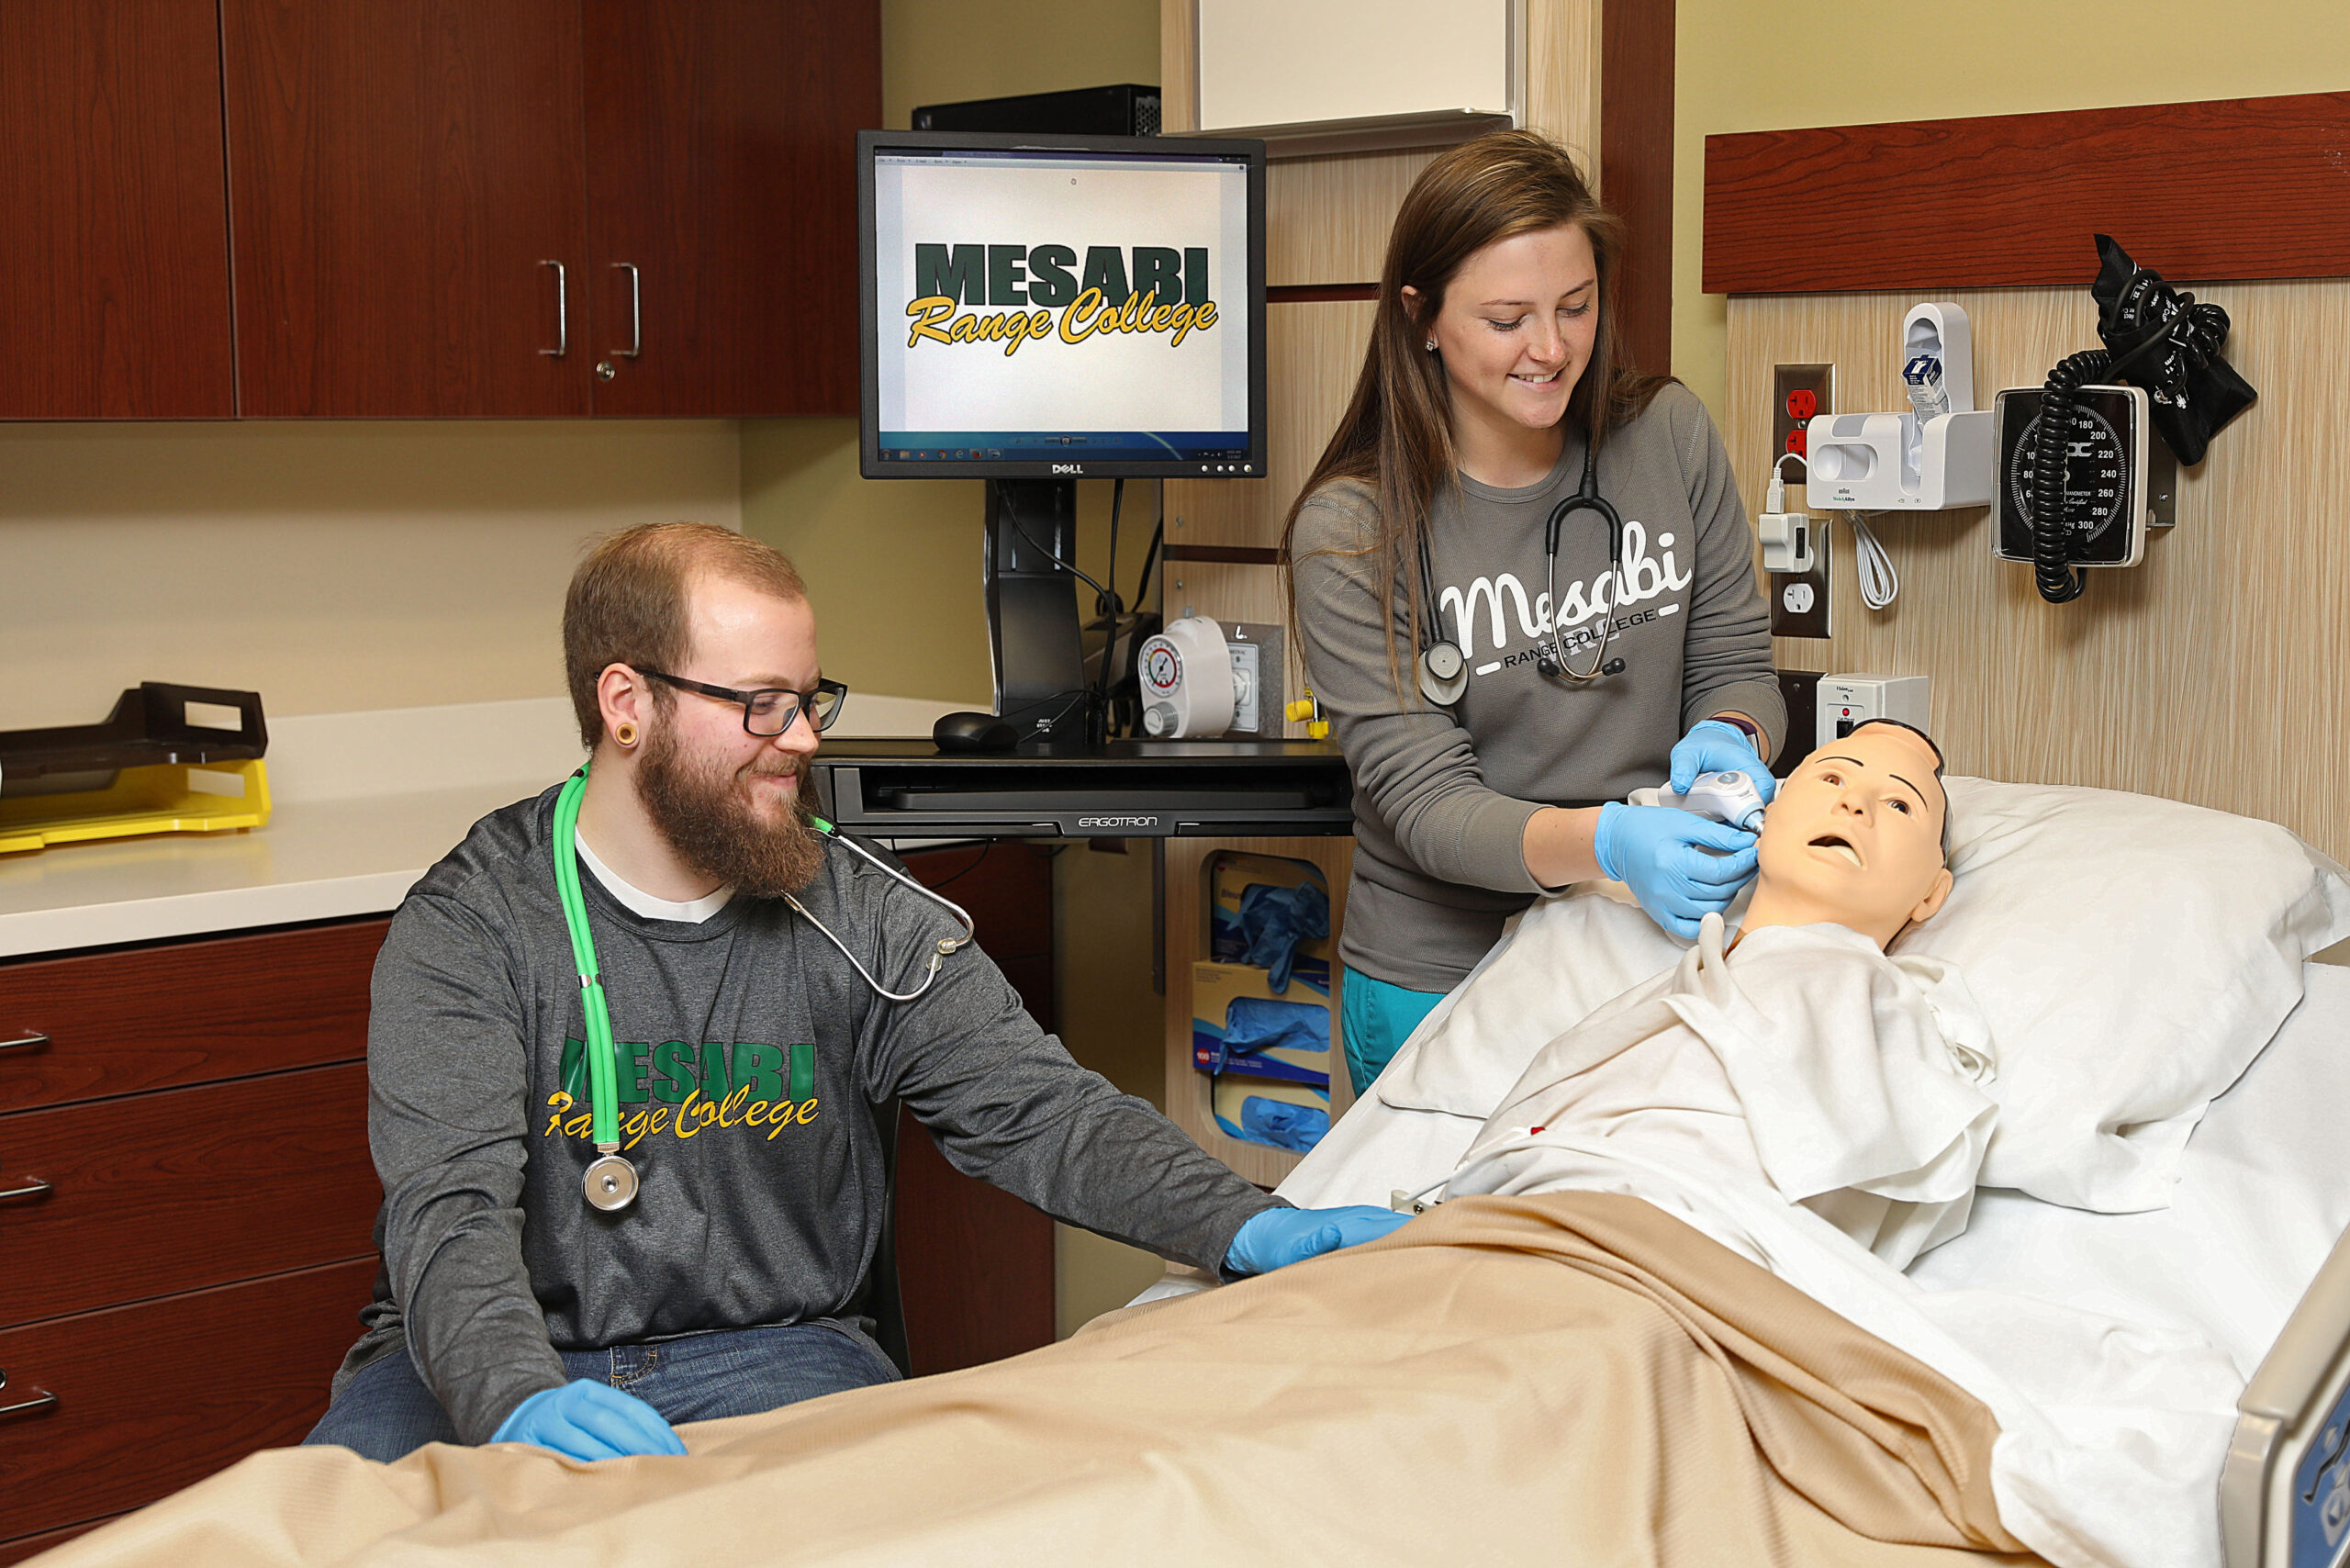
(1750, 65)
(328, 567)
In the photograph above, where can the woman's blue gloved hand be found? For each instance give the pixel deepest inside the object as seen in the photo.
(1662, 854)
(1277, 1237)
(1713, 746)
(586, 1419)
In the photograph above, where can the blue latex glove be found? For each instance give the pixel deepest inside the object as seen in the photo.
(586, 1419)
(1275, 920)
(1713, 746)
(1277, 1237)
(1283, 1124)
(1662, 855)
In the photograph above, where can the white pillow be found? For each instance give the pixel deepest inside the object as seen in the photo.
(2131, 954)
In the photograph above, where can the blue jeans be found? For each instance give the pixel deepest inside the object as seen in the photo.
(1375, 1019)
(385, 1411)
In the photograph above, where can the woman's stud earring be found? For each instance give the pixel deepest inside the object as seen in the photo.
(1429, 345)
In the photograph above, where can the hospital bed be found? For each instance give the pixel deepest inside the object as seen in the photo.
(2249, 1254)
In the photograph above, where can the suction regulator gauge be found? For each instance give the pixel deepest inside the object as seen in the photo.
(2097, 474)
(1162, 670)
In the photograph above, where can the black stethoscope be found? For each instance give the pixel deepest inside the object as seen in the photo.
(1444, 668)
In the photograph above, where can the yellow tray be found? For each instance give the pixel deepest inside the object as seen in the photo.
(170, 798)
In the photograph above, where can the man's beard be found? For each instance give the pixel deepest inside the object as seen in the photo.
(702, 809)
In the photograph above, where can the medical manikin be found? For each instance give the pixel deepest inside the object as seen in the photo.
(1799, 1065)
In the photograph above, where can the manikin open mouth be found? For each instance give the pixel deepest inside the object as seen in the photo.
(1830, 841)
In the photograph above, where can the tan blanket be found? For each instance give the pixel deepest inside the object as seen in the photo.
(1574, 1378)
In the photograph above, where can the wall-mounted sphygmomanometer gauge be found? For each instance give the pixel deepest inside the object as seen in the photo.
(2115, 485)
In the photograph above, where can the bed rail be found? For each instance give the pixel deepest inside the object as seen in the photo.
(2285, 1492)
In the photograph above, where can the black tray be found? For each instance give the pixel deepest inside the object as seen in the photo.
(149, 727)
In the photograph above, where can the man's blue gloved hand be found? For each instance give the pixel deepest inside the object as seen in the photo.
(1713, 746)
(586, 1419)
(1661, 854)
(1280, 1237)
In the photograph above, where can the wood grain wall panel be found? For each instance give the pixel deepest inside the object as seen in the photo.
(1179, 106)
(1326, 218)
(2230, 189)
(1187, 1088)
(1313, 352)
(1563, 40)
(114, 222)
(2209, 673)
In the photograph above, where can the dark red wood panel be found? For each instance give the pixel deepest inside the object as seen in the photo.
(191, 1013)
(1635, 60)
(182, 1189)
(399, 170)
(2226, 189)
(152, 1397)
(722, 158)
(114, 216)
(975, 1264)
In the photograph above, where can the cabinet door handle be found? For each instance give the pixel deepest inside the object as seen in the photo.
(29, 1038)
(34, 1187)
(636, 312)
(562, 314)
(42, 1399)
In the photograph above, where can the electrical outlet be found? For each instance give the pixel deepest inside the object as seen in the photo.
(1799, 601)
(1799, 394)
(1244, 687)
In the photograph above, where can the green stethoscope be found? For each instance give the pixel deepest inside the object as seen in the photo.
(610, 1182)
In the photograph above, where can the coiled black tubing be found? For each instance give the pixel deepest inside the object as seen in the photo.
(2051, 539)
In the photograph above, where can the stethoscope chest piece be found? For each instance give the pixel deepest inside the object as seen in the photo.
(611, 1183)
(1444, 672)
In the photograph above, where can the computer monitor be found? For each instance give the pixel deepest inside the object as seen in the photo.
(1038, 307)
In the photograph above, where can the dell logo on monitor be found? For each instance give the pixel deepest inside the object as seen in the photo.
(1068, 467)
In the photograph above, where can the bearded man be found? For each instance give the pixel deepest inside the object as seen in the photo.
(751, 1057)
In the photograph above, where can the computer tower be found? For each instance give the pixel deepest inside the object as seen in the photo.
(1130, 109)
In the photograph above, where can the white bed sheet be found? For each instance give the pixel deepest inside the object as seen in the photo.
(2263, 1194)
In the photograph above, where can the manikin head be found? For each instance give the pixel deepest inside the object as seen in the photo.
(1855, 837)
(702, 604)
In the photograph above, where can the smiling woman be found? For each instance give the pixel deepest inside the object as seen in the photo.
(1500, 449)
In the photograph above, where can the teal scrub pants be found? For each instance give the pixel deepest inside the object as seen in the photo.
(1375, 1019)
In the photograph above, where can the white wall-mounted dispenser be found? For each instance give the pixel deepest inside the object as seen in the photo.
(1936, 456)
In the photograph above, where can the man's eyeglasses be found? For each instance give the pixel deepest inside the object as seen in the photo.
(769, 710)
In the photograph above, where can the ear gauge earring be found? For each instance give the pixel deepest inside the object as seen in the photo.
(624, 733)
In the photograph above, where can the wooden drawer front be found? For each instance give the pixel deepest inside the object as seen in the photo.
(162, 1194)
(154, 1396)
(195, 1012)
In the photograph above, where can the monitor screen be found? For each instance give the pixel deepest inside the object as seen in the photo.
(1039, 306)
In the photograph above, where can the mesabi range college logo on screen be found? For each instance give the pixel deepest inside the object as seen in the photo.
(960, 289)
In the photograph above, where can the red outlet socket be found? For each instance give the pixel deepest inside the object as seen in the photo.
(1802, 403)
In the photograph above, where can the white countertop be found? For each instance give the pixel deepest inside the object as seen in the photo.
(362, 805)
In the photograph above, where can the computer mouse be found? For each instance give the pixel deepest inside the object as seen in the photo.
(973, 732)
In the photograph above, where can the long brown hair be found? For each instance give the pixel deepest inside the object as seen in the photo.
(1397, 434)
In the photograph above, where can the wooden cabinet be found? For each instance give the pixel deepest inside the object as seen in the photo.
(722, 202)
(114, 235)
(443, 207)
(409, 207)
(188, 1231)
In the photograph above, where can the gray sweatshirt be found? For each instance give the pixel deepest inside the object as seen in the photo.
(749, 1058)
(1442, 796)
